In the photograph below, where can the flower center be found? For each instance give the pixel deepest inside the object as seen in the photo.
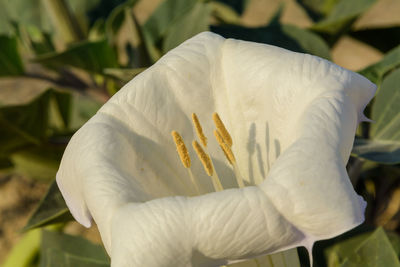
(225, 142)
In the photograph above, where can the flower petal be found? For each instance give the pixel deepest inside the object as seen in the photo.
(292, 118)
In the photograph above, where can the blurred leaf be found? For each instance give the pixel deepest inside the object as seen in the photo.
(126, 35)
(61, 248)
(193, 22)
(224, 13)
(5, 163)
(308, 41)
(22, 124)
(124, 75)
(384, 145)
(317, 8)
(376, 250)
(26, 13)
(90, 56)
(40, 162)
(342, 15)
(376, 71)
(386, 109)
(51, 209)
(370, 249)
(387, 152)
(337, 253)
(10, 61)
(25, 251)
(81, 110)
(161, 20)
(285, 36)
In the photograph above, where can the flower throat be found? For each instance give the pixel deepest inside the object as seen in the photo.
(225, 142)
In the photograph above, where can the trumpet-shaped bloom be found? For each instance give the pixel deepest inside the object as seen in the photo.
(292, 118)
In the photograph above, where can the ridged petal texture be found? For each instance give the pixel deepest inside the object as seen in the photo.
(292, 118)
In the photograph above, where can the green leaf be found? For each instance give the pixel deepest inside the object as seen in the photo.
(25, 251)
(67, 250)
(224, 13)
(376, 250)
(161, 20)
(126, 35)
(376, 72)
(81, 110)
(193, 22)
(285, 36)
(368, 249)
(384, 146)
(387, 152)
(282, 259)
(51, 209)
(24, 124)
(308, 41)
(90, 56)
(342, 15)
(386, 109)
(26, 13)
(10, 61)
(40, 162)
(320, 7)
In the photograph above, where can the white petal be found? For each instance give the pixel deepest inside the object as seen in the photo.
(292, 117)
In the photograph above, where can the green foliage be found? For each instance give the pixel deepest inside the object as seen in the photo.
(58, 249)
(370, 249)
(342, 15)
(52, 209)
(24, 252)
(376, 71)
(196, 20)
(90, 56)
(10, 61)
(384, 145)
(286, 36)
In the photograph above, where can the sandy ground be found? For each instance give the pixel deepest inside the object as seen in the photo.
(19, 197)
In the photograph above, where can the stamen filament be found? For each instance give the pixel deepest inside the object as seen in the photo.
(194, 181)
(230, 157)
(199, 130)
(222, 129)
(208, 166)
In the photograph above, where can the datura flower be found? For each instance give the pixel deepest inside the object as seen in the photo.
(280, 125)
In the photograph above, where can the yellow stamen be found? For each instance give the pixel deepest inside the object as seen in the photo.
(222, 130)
(204, 158)
(225, 148)
(208, 166)
(181, 148)
(199, 130)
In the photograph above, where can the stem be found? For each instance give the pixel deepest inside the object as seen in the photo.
(63, 20)
(72, 82)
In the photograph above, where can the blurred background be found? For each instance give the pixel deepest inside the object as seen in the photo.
(60, 60)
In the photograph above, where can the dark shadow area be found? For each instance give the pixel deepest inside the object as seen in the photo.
(267, 144)
(383, 39)
(103, 9)
(277, 148)
(251, 147)
(238, 5)
(273, 35)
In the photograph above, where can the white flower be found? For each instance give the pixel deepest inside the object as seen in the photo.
(292, 118)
